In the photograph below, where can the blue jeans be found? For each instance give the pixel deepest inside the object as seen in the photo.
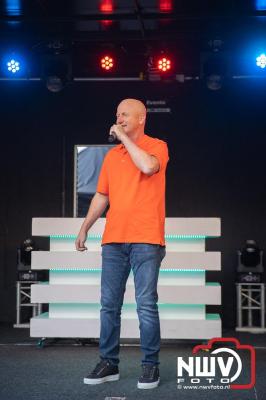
(117, 261)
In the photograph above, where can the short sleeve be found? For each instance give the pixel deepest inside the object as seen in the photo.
(160, 151)
(103, 184)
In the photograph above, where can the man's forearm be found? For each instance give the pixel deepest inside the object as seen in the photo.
(147, 163)
(97, 207)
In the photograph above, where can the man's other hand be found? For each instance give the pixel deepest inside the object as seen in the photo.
(80, 241)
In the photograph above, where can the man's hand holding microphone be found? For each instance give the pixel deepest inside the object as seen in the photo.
(116, 132)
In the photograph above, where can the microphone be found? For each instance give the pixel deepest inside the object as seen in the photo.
(112, 137)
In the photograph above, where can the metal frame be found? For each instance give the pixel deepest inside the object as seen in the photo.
(250, 297)
(23, 299)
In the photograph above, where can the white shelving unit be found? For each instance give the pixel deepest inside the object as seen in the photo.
(73, 290)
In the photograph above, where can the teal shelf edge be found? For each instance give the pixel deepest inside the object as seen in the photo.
(42, 316)
(129, 306)
(206, 284)
(167, 237)
(209, 317)
(173, 270)
(213, 284)
(212, 317)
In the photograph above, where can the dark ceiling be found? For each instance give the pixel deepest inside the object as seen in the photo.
(92, 20)
(130, 26)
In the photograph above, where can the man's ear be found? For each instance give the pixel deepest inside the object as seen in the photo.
(142, 119)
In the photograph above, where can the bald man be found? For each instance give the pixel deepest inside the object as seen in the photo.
(132, 182)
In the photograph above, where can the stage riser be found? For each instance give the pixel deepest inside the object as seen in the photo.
(83, 328)
(184, 245)
(172, 260)
(92, 277)
(91, 294)
(71, 226)
(192, 312)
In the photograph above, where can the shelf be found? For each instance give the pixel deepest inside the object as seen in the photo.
(43, 326)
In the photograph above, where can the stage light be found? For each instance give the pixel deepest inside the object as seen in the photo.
(261, 5)
(107, 6)
(159, 67)
(214, 82)
(13, 7)
(214, 65)
(166, 5)
(13, 66)
(261, 61)
(164, 64)
(54, 83)
(56, 65)
(107, 63)
(250, 263)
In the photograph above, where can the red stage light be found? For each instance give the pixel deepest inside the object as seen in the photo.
(107, 6)
(164, 64)
(166, 5)
(107, 63)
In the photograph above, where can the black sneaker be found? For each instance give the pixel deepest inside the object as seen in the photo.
(103, 372)
(150, 377)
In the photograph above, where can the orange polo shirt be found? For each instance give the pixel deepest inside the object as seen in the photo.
(137, 201)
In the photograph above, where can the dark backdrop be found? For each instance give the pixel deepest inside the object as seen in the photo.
(217, 161)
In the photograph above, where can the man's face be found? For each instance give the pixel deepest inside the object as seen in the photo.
(128, 117)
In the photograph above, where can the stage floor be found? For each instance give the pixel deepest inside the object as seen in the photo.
(56, 371)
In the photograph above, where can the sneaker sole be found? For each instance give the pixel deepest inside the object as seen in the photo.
(108, 378)
(151, 385)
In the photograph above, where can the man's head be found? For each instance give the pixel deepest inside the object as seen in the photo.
(131, 115)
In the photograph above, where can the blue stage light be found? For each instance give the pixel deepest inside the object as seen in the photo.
(13, 66)
(261, 61)
(261, 5)
(13, 7)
